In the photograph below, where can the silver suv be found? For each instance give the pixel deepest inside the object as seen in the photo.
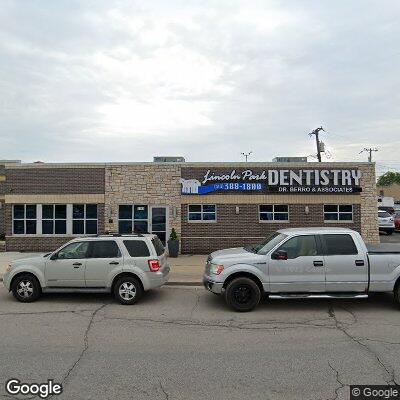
(124, 265)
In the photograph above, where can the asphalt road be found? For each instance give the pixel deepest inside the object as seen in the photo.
(180, 343)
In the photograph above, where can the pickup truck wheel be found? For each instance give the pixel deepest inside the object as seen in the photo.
(242, 294)
(26, 288)
(128, 290)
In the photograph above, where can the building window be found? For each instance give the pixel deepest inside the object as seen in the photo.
(338, 212)
(54, 219)
(24, 219)
(202, 212)
(133, 218)
(84, 219)
(273, 212)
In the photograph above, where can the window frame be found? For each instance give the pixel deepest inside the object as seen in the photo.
(338, 212)
(202, 212)
(25, 219)
(133, 219)
(54, 219)
(273, 220)
(84, 219)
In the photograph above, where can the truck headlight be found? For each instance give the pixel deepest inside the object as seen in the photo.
(216, 268)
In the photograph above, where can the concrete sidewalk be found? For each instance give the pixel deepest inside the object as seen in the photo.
(185, 270)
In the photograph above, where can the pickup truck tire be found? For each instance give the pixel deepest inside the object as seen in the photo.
(26, 288)
(128, 290)
(242, 294)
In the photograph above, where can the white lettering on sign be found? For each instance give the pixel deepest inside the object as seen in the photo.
(284, 177)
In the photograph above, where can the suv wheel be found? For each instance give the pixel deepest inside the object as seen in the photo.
(26, 288)
(242, 294)
(128, 290)
(397, 295)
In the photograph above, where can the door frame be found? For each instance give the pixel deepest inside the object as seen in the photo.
(150, 220)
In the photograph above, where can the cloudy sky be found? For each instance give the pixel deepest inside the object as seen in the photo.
(126, 80)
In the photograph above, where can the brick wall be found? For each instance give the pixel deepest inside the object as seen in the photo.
(233, 230)
(2, 220)
(54, 180)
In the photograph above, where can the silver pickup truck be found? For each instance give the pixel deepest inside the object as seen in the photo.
(303, 263)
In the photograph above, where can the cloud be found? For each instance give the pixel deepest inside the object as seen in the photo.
(123, 81)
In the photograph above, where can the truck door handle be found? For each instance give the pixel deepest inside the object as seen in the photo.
(114, 263)
(77, 264)
(318, 263)
(359, 263)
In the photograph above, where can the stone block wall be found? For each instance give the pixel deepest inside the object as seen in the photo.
(152, 184)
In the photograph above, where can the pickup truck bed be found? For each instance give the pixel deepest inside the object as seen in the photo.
(384, 248)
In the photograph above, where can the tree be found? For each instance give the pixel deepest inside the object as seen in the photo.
(389, 179)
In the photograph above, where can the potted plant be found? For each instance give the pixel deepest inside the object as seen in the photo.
(173, 244)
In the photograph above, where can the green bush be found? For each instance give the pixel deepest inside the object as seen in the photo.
(173, 235)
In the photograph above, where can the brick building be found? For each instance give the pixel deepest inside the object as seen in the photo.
(210, 205)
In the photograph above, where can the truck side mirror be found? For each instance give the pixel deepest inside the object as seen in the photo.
(54, 256)
(280, 255)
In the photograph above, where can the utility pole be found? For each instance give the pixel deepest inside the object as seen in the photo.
(316, 133)
(370, 150)
(246, 155)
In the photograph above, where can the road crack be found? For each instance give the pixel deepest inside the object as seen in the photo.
(341, 384)
(163, 389)
(390, 372)
(195, 304)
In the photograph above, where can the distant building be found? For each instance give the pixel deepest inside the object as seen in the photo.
(392, 190)
(290, 159)
(168, 159)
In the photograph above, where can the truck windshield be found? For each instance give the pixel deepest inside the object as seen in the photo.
(267, 244)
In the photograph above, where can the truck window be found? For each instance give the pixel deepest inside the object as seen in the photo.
(339, 245)
(137, 248)
(300, 246)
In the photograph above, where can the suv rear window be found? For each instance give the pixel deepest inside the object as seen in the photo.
(339, 245)
(104, 249)
(158, 246)
(137, 248)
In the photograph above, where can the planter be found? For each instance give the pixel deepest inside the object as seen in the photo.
(173, 248)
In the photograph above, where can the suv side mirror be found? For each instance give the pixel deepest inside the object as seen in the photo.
(54, 257)
(280, 255)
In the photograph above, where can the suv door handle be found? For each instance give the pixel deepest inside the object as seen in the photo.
(77, 264)
(360, 263)
(318, 263)
(114, 263)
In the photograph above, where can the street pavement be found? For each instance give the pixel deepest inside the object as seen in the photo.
(183, 343)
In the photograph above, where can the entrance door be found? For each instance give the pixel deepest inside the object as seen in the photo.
(159, 222)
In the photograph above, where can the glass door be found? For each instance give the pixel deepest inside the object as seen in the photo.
(159, 222)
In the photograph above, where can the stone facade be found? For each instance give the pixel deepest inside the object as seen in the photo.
(151, 184)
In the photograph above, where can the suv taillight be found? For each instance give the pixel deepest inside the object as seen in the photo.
(154, 265)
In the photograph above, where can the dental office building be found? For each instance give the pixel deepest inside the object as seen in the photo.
(210, 205)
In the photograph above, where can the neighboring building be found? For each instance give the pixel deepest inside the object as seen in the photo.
(2, 193)
(390, 191)
(211, 205)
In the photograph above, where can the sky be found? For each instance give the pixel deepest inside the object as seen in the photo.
(127, 80)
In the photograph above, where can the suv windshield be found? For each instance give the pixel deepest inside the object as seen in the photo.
(383, 214)
(267, 244)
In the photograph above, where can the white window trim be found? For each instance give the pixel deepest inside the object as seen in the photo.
(24, 219)
(39, 226)
(84, 219)
(201, 221)
(39, 219)
(338, 221)
(273, 221)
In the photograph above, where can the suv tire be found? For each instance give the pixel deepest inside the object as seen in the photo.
(242, 294)
(26, 288)
(128, 290)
